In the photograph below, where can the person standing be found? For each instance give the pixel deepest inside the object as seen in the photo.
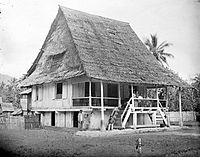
(80, 119)
(111, 122)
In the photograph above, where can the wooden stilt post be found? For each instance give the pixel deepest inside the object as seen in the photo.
(102, 109)
(42, 119)
(119, 96)
(90, 93)
(134, 120)
(154, 118)
(180, 108)
(134, 114)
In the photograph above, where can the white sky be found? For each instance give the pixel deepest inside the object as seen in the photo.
(24, 25)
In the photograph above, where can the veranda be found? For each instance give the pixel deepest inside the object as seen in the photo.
(139, 103)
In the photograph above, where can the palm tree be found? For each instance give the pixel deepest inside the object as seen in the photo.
(158, 49)
(196, 82)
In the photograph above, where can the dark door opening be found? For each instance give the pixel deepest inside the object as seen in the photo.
(75, 119)
(53, 118)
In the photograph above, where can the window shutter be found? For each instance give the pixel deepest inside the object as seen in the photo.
(40, 93)
(34, 93)
(64, 95)
(53, 90)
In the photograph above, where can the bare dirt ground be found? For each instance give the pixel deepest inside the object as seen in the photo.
(71, 142)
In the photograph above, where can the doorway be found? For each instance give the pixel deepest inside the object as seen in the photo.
(53, 118)
(75, 119)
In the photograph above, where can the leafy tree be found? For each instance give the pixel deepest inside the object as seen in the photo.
(10, 92)
(158, 49)
(187, 100)
(196, 95)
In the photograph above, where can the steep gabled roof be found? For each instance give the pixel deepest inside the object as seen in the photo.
(79, 43)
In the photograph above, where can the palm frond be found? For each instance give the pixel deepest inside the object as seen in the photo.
(148, 44)
(164, 59)
(154, 40)
(164, 44)
(167, 54)
(158, 50)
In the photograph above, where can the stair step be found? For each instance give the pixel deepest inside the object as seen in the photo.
(159, 119)
(118, 127)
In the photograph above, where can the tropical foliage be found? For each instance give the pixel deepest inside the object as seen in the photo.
(196, 85)
(158, 50)
(10, 92)
(190, 97)
(186, 99)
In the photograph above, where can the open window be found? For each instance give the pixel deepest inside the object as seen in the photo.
(110, 90)
(59, 90)
(37, 93)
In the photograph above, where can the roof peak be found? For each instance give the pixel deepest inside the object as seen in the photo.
(63, 8)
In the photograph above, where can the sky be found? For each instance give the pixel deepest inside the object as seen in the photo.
(24, 25)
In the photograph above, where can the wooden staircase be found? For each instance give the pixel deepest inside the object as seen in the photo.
(161, 118)
(123, 115)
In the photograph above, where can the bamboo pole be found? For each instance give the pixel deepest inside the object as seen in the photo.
(102, 109)
(180, 108)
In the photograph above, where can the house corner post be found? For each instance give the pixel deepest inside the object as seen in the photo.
(102, 109)
(180, 108)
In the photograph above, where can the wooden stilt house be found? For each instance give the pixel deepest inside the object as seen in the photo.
(96, 64)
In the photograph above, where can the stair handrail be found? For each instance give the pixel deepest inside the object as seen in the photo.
(126, 108)
(161, 106)
(163, 114)
(113, 111)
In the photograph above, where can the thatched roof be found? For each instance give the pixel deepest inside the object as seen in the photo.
(79, 43)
